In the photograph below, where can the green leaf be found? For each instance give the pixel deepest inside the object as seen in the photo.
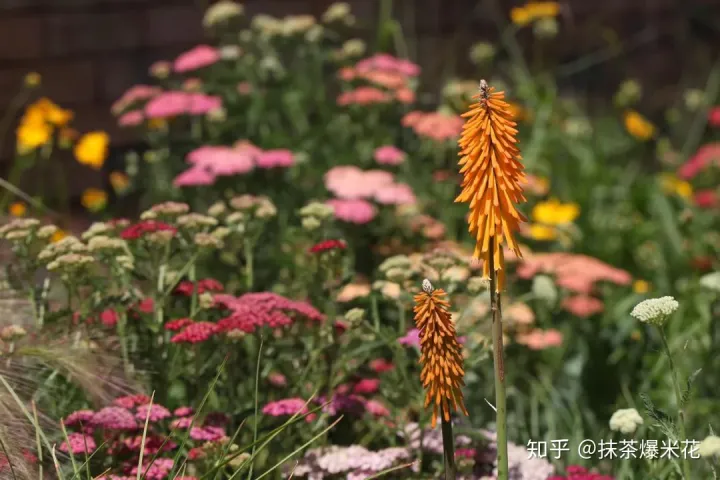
(688, 389)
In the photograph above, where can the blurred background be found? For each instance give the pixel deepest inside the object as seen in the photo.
(89, 51)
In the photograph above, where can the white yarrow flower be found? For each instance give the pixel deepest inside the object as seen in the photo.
(655, 311)
(711, 281)
(710, 447)
(625, 420)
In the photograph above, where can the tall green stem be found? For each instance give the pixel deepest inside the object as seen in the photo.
(448, 448)
(678, 396)
(497, 336)
(248, 247)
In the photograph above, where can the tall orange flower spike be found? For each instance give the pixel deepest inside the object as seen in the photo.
(441, 354)
(492, 178)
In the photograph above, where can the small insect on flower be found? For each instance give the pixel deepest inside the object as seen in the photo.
(441, 354)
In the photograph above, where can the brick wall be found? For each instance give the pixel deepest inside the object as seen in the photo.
(90, 51)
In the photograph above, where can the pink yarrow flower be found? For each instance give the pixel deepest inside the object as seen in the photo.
(388, 63)
(207, 434)
(287, 406)
(395, 194)
(539, 339)
(706, 156)
(377, 408)
(78, 443)
(153, 412)
(159, 469)
(389, 155)
(131, 119)
(366, 386)
(80, 417)
(196, 333)
(583, 305)
(411, 339)
(195, 176)
(183, 411)
(201, 104)
(167, 105)
(195, 58)
(220, 160)
(353, 211)
(114, 418)
(276, 158)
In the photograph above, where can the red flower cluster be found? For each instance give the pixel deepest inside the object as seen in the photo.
(133, 232)
(177, 324)
(576, 472)
(255, 310)
(196, 332)
(327, 245)
(206, 285)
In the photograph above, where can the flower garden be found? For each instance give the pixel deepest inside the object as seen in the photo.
(333, 273)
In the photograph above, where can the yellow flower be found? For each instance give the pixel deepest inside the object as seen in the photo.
(32, 79)
(94, 199)
(538, 10)
(53, 113)
(57, 236)
(670, 184)
(92, 149)
(532, 11)
(31, 135)
(638, 126)
(520, 16)
(119, 181)
(17, 209)
(641, 286)
(157, 123)
(542, 232)
(552, 212)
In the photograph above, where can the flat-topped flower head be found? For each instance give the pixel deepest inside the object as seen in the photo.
(441, 354)
(655, 311)
(492, 177)
(625, 420)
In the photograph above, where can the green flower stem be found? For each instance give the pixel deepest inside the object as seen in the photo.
(401, 315)
(194, 298)
(497, 336)
(122, 323)
(678, 395)
(448, 448)
(248, 247)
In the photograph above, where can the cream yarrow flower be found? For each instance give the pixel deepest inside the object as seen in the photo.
(711, 281)
(217, 209)
(101, 243)
(311, 223)
(97, 228)
(196, 220)
(46, 231)
(317, 209)
(221, 12)
(70, 262)
(625, 420)
(207, 240)
(397, 261)
(355, 317)
(710, 447)
(477, 284)
(655, 311)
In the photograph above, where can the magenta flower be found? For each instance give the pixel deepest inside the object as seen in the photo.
(207, 434)
(366, 386)
(219, 160)
(114, 418)
(195, 333)
(353, 211)
(255, 310)
(287, 406)
(395, 194)
(159, 469)
(134, 94)
(194, 177)
(201, 104)
(130, 401)
(705, 156)
(195, 58)
(389, 155)
(78, 443)
(277, 379)
(275, 158)
(80, 417)
(131, 119)
(412, 338)
(154, 412)
(181, 423)
(377, 408)
(167, 105)
(183, 411)
(109, 317)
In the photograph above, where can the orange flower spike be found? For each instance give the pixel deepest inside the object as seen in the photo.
(492, 177)
(441, 354)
